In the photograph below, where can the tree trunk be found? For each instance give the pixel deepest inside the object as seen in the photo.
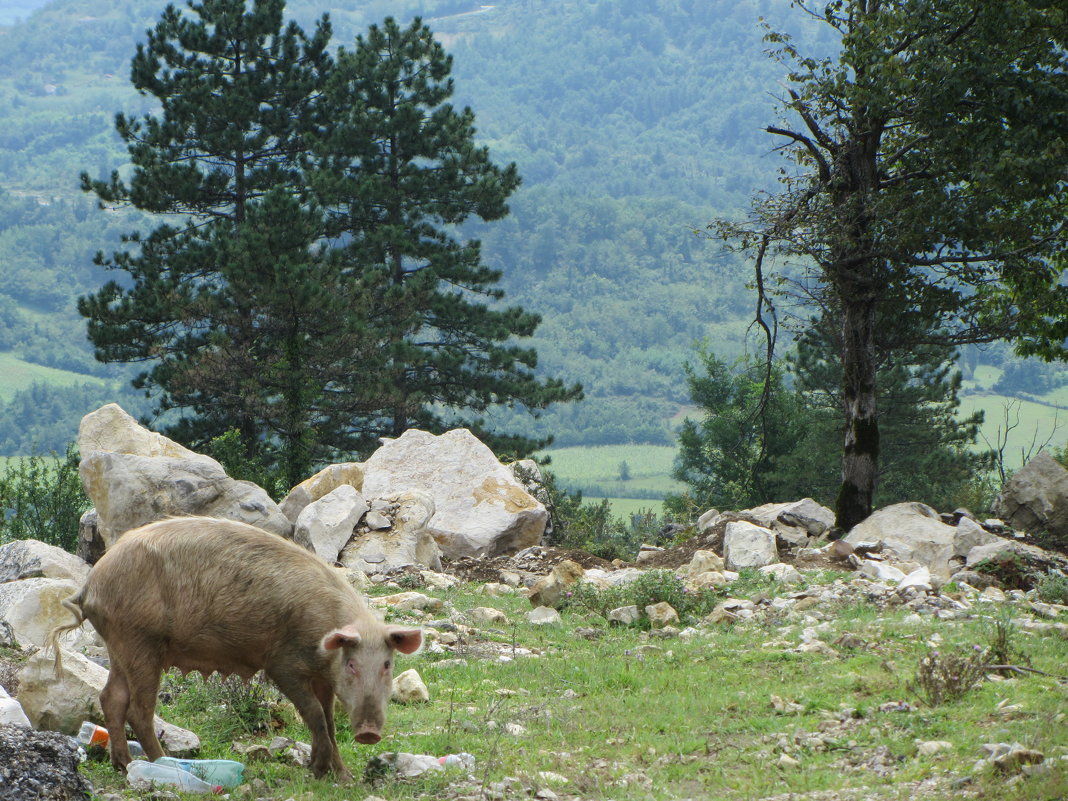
(861, 454)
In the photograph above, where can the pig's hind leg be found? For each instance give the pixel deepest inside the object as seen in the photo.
(114, 700)
(133, 699)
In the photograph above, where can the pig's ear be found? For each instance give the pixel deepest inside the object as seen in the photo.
(341, 638)
(407, 641)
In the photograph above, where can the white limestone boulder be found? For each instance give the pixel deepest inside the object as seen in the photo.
(910, 532)
(805, 514)
(1036, 497)
(135, 476)
(60, 703)
(480, 509)
(322, 483)
(33, 607)
(22, 559)
(406, 540)
(748, 545)
(325, 526)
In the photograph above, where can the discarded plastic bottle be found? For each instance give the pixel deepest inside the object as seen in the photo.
(461, 760)
(223, 772)
(140, 773)
(92, 736)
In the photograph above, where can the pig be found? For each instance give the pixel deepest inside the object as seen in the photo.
(198, 593)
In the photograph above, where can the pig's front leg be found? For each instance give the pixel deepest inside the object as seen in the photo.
(324, 756)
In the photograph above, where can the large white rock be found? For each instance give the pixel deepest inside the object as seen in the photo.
(326, 525)
(805, 514)
(110, 428)
(135, 476)
(60, 703)
(970, 534)
(748, 545)
(322, 483)
(910, 532)
(407, 540)
(480, 509)
(129, 491)
(33, 607)
(22, 559)
(1036, 497)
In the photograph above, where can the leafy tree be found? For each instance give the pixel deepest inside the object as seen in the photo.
(41, 498)
(398, 170)
(929, 153)
(735, 457)
(926, 452)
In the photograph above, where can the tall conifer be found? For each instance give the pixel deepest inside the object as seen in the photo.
(399, 172)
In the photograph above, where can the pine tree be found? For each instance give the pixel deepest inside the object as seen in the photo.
(236, 314)
(399, 172)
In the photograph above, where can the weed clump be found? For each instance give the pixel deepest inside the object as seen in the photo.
(1052, 587)
(652, 587)
(946, 676)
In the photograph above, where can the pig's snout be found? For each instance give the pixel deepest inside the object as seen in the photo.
(368, 735)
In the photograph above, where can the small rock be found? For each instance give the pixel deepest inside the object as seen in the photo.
(409, 688)
(647, 552)
(787, 761)
(624, 615)
(488, 616)
(514, 729)
(995, 594)
(549, 591)
(1015, 760)
(438, 581)
(408, 601)
(543, 616)
(932, 747)
(783, 573)
(376, 521)
(549, 777)
(661, 614)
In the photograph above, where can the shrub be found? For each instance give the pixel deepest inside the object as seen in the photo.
(944, 676)
(1052, 588)
(42, 499)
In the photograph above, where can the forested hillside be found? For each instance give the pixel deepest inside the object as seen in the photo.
(632, 122)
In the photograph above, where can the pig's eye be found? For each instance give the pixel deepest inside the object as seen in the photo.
(386, 665)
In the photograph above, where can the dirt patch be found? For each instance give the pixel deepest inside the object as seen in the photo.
(535, 561)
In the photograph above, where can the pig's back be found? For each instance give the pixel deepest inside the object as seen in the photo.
(204, 586)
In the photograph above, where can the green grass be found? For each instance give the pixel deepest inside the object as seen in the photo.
(1023, 426)
(625, 507)
(627, 716)
(596, 470)
(15, 374)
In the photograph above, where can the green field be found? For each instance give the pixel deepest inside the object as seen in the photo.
(15, 374)
(597, 470)
(1020, 427)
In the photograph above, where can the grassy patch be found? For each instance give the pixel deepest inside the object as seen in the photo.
(15, 374)
(1023, 425)
(597, 471)
(733, 712)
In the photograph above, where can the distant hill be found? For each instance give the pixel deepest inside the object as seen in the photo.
(633, 123)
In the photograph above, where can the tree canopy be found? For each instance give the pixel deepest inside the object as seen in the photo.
(924, 186)
(306, 282)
